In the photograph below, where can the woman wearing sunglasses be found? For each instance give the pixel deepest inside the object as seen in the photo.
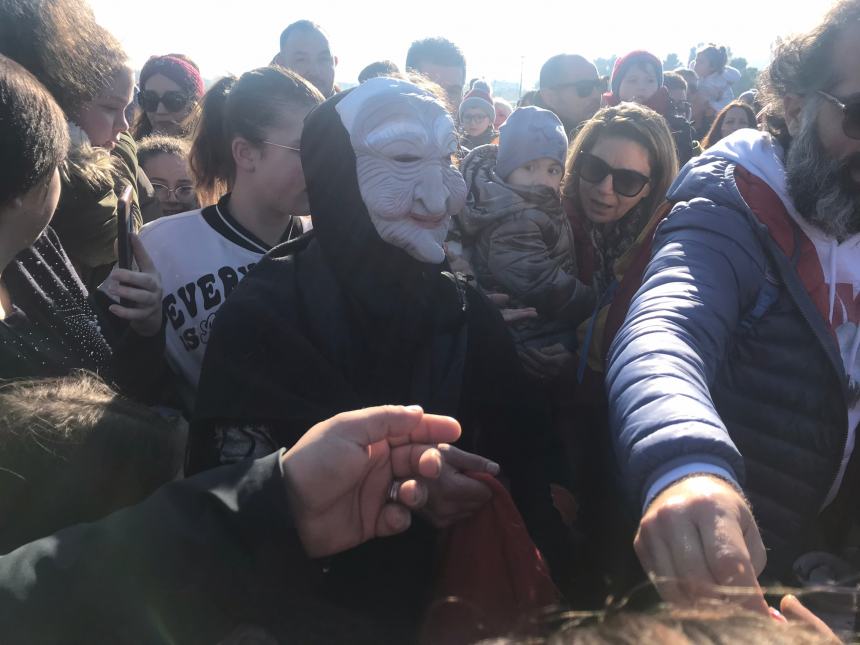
(618, 171)
(621, 164)
(170, 89)
(245, 164)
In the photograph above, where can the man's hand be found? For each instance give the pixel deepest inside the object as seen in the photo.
(697, 535)
(340, 473)
(454, 496)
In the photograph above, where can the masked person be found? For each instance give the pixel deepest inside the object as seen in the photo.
(364, 311)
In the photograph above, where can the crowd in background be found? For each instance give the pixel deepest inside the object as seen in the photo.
(281, 362)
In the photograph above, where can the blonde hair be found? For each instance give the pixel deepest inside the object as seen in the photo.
(636, 123)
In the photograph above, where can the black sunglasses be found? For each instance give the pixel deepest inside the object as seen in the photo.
(584, 88)
(850, 114)
(624, 182)
(173, 101)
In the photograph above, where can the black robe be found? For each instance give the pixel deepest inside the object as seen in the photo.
(339, 320)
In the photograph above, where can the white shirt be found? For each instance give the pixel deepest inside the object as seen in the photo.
(202, 256)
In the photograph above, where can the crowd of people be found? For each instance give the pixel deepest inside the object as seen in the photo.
(405, 363)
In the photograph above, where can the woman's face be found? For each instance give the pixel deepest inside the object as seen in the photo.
(475, 122)
(162, 119)
(735, 119)
(278, 180)
(172, 183)
(26, 217)
(600, 203)
(103, 118)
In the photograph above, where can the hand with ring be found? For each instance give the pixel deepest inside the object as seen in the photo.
(355, 476)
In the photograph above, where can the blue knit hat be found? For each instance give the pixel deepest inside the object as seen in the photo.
(529, 133)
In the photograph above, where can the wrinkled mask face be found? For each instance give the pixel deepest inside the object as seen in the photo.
(404, 142)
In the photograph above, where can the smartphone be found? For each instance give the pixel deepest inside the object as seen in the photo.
(124, 224)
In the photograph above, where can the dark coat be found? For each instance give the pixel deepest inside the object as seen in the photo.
(341, 320)
(56, 327)
(86, 217)
(186, 566)
(724, 359)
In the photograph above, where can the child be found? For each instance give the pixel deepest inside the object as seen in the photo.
(477, 115)
(165, 161)
(520, 241)
(715, 76)
(638, 78)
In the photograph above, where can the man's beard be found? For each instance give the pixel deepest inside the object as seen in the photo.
(822, 188)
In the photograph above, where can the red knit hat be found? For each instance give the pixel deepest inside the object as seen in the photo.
(623, 65)
(179, 69)
(481, 99)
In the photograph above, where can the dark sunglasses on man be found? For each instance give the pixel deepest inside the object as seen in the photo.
(593, 169)
(584, 88)
(173, 101)
(850, 113)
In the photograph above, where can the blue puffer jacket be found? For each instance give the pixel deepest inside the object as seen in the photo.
(725, 362)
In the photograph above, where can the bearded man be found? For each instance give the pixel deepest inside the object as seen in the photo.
(364, 311)
(733, 382)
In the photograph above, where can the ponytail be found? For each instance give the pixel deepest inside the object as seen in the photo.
(241, 107)
(211, 158)
(718, 57)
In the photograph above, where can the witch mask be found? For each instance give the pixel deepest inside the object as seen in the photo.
(404, 141)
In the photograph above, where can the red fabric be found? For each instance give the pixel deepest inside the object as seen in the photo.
(770, 211)
(478, 93)
(491, 575)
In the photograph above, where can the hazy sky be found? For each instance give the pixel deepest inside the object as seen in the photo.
(495, 36)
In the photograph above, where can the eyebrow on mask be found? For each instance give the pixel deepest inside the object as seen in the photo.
(396, 132)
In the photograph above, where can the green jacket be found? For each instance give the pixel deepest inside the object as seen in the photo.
(85, 219)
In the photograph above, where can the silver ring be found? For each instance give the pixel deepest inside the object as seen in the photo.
(393, 490)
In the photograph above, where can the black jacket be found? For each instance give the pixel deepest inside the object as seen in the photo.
(341, 320)
(56, 327)
(188, 565)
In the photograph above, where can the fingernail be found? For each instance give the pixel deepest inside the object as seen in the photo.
(776, 615)
(415, 408)
(493, 468)
(402, 519)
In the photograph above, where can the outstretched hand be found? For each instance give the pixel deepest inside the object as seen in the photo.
(340, 474)
(697, 538)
